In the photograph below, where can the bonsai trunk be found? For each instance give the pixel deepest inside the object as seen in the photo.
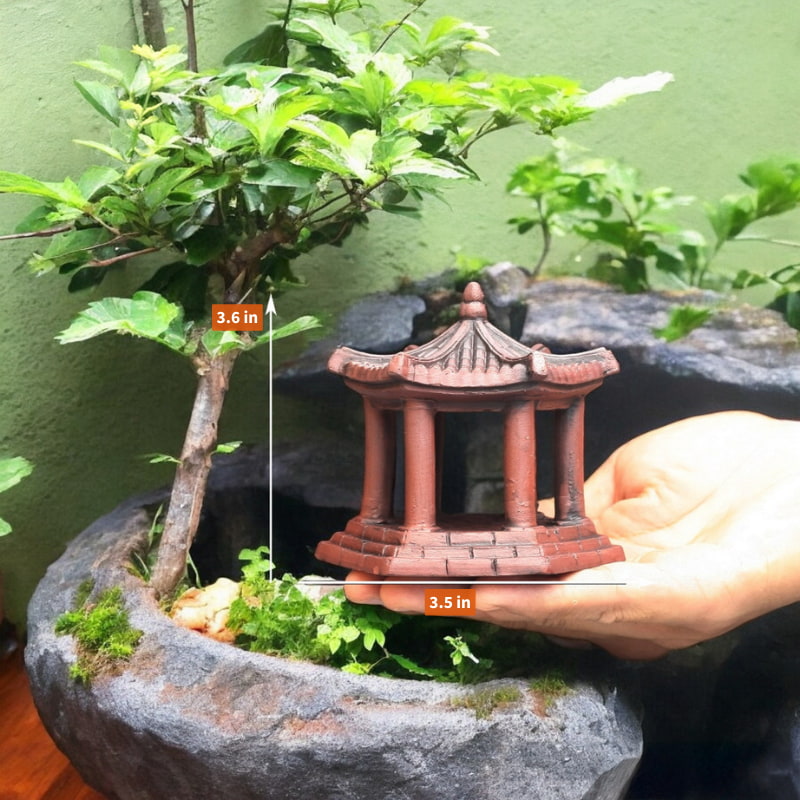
(189, 487)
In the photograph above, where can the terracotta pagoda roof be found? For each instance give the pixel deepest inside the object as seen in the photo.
(474, 353)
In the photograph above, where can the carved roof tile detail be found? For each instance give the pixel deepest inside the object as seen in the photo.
(472, 353)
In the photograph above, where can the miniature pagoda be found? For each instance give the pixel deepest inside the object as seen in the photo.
(472, 366)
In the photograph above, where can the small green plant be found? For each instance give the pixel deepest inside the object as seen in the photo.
(102, 632)
(549, 687)
(682, 321)
(278, 618)
(484, 702)
(602, 201)
(12, 471)
(641, 240)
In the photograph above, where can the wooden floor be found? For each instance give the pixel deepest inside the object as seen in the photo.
(31, 767)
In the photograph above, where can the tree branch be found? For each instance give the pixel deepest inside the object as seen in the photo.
(153, 30)
(191, 49)
(107, 262)
(36, 234)
(399, 25)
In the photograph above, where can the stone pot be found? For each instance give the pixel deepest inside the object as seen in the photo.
(190, 717)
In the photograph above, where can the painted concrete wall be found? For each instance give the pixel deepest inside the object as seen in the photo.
(85, 413)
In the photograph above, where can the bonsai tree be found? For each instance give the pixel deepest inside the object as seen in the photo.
(234, 172)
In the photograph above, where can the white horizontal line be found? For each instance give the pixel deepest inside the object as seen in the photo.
(454, 582)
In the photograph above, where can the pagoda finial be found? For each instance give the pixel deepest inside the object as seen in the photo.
(472, 306)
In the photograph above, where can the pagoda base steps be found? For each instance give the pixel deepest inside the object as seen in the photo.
(468, 546)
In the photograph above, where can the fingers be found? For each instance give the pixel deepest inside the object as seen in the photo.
(638, 618)
(367, 595)
(405, 599)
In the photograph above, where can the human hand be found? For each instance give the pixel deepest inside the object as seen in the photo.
(708, 512)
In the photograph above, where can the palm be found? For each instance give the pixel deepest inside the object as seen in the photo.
(705, 510)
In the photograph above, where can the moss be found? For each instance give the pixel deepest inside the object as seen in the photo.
(484, 702)
(102, 632)
(548, 688)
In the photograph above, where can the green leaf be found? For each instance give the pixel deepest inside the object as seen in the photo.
(161, 458)
(731, 215)
(102, 98)
(792, 310)
(15, 183)
(96, 178)
(180, 283)
(219, 342)
(38, 220)
(279, 172)
(13, 470)
(268, 47)
(228, 447)
(76, 245)
(115, 63)
(103, 148)
(5, 528)
(299, 325)
(146, 314)
(86, 278)
(327, 34)
(682, 321)
(414, 668)
(157, 192)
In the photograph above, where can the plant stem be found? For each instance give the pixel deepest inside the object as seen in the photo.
(399, 25)
(767, 239)
(192, 63)
(189, 487)
(547, 238)
(107, 262)
(37, 234)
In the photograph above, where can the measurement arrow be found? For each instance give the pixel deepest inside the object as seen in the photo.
(270, 314)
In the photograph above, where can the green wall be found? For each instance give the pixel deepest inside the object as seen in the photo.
(84, 414)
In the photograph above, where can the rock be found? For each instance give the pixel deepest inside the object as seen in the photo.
(740, 347)
(742, 358)
(191, 717)
(720, 718)
(380, 323)
(504, 285)
(756, 739)
(206, 610)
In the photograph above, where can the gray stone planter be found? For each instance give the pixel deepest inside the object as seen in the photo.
(192, 718)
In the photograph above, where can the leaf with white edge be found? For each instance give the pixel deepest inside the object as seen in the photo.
(146, 314)
(620, 89)
(13, 470)
(5, 528)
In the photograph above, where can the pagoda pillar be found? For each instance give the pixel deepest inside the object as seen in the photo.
(420, 464)
(569, 462)
(379, 463)
(519, 465)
